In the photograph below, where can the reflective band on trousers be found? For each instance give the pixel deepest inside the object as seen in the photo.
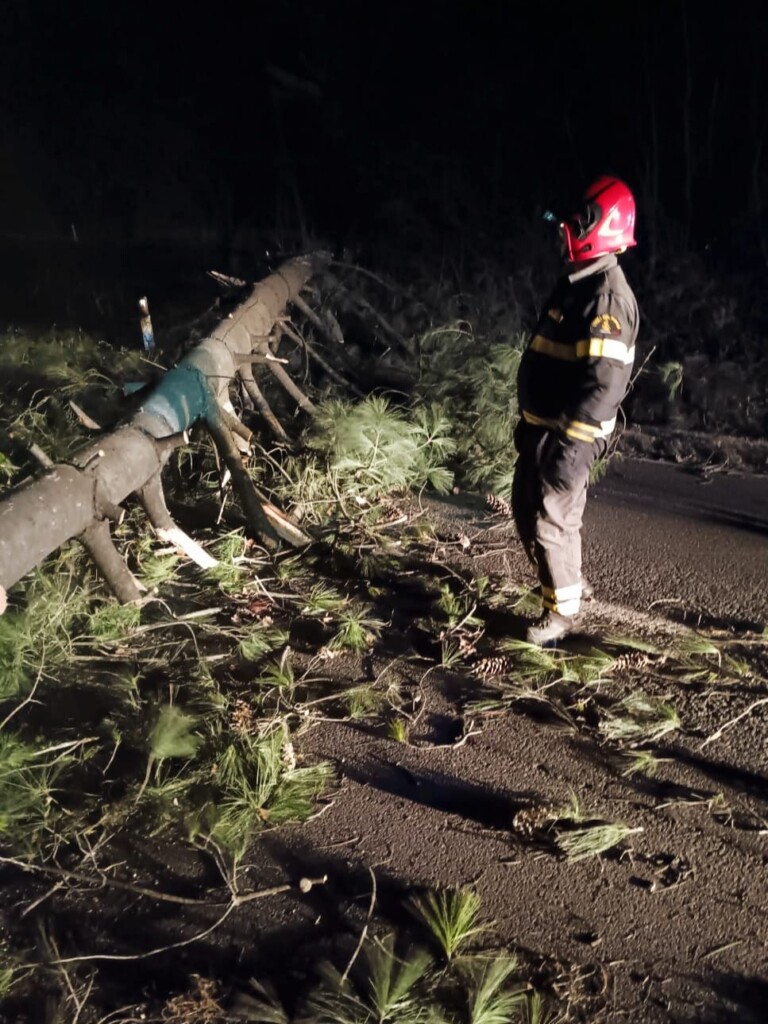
(573, 428)
(607, 348)
(564, 600)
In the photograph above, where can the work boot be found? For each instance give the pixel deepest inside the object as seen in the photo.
(550, 628)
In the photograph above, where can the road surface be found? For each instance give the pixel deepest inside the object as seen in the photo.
(658, 535)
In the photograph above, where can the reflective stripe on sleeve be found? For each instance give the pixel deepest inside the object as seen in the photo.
(607, 348)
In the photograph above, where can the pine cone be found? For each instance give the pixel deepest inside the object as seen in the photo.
(631, 659)
(494, 666)
(498, 505)
(530, 820)
(392, 512)
(242, 720)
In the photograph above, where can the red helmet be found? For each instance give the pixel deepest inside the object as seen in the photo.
(606, 222)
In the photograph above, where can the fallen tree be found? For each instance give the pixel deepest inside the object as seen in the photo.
(80, 499)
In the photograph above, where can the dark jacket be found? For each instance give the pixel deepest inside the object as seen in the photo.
(577, 366)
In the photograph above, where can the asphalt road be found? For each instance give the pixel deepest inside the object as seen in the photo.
(671, 929)
(663, 537)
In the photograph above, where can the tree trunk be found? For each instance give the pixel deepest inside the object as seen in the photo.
(69, 500)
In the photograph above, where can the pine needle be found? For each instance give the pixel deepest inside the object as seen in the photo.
(451, 915)
(593, 841)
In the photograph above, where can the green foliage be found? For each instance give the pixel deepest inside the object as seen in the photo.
(408, 988)
(264, 1005)
(69, 358)
(172, 734)
(229, 552)
(526, 601)
(157, 570)
(640, 718)
(634, 643)
(488, 1000)
(392, 980)
(584, 843)
(671, 374)
(27, 790)
(737, 667)
(452, 917)
(397, 730)
(585, 668)
(11, 970)
(243, 782)
(7, 976)
(642, 762)
(450, 653)
(322, 599)
(279, 673)
(474, 380)
(294, 797)
(259, 640)
(356, 632)
(385, 991)
(256, 785)
(694, 645)
(572, 811)
(40, 636)
(536, 1012)
(599, 468)
(364, 701)
(111, 621)
(7, 471)
(46, 371)
(369, 449)
(458, 608)
(531, 662)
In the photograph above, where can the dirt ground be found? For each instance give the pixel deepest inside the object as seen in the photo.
(668, 926)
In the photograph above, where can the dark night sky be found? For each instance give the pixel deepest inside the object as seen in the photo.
(365, 117)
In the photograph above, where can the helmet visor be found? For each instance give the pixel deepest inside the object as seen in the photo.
(586, 220)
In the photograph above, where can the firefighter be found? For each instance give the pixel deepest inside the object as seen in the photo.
(573, 375)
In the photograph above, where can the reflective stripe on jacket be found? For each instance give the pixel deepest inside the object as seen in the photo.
(578, 363)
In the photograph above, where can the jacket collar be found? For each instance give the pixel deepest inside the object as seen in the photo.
(597, 266)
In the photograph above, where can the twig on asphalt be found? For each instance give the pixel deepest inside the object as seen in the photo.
(732, 721)
(305, 885)
(364, 932)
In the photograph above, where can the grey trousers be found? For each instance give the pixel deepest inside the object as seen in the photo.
(549, 493)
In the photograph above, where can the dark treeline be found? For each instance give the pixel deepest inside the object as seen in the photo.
(349, 119)
(140, 144)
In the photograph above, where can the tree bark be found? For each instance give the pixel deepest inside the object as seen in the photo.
(40, 515)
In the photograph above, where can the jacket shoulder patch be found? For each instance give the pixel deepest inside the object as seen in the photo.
(605, 326)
